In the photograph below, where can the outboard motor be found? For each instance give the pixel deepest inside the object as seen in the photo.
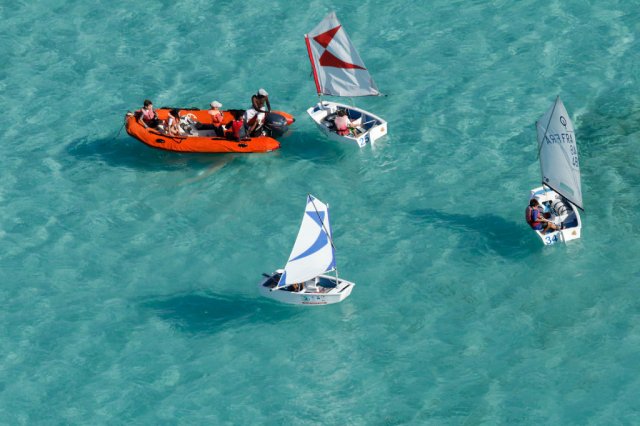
(275, 125)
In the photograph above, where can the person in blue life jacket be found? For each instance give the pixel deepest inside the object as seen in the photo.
(535, 218)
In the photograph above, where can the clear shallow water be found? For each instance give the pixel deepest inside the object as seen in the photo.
(129, 275)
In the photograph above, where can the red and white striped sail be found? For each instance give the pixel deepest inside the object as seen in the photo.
(338, 69)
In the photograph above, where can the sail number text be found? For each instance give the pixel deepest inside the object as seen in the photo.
(566, 138)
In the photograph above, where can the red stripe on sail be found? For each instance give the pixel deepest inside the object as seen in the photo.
(313, 65)
(328, 59)
(325, 38)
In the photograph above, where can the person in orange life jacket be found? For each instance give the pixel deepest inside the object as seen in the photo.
(217, 117)
(173, 123)
(259, 100)
(535, 218)
(236, 126)
(147, 117)
(342, 122)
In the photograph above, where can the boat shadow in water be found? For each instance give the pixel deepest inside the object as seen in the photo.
(504, 238)
(127, 153)
(211, 313)
(313, 146)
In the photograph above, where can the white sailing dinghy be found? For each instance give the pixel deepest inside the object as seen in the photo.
(338, 70)
(302, 281)
(560, 194)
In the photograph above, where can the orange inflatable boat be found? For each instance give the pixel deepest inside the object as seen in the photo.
(198, 137)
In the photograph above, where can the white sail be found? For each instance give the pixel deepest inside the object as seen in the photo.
(338, 70)
(559, 154)
(313, 252)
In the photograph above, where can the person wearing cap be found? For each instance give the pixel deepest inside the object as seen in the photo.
(217, 117)
(259, 99)
(254, 117)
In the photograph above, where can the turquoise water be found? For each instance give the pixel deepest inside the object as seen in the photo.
(128, 275)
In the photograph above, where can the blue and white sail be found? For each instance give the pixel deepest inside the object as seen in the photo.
(313, 252)
(559, 154)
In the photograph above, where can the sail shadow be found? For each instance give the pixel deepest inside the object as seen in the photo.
(211, 313)
(129, 153)
(505, 238)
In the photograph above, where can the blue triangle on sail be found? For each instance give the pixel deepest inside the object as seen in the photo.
(283, 279)
(318, 217)
(320, 242)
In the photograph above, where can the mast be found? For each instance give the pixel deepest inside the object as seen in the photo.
(335, 264)
(313, 66)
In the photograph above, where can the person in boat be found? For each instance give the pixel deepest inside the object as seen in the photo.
(216, 118)
(535, 218)
(259, 100)
(253, 121)
(236, 128)
(342, 123)
(254, 117)
(173, 123)
(147, 116)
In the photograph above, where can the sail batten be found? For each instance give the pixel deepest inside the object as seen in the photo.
(313, 252)
(558, 153)
(337, 66)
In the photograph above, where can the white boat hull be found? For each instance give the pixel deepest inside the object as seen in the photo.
(325, 293)
(368, 127)
(562, 212)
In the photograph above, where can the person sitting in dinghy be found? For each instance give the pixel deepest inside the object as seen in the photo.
(342, 123)
(253, 121)
(535, 218)
(147, 117)
(216, 118)
(235, 128)
(173, 123)
(254, 117)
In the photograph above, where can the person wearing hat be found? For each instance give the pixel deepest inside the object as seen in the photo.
(259, 99)
(254, 117)
(217, 118)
